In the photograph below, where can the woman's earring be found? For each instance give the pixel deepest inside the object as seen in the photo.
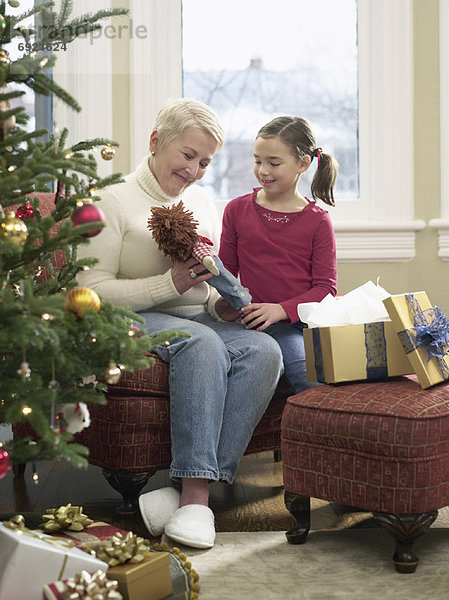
(151, 153)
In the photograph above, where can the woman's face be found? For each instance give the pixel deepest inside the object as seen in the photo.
(182, 161)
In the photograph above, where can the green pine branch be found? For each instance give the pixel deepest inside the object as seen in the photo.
(64, 12)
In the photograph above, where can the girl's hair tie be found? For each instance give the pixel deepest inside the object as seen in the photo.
(317, 152)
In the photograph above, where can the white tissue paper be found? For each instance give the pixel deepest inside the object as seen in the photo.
(361, 305)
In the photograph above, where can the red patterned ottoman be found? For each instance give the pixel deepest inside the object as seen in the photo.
(381, 447)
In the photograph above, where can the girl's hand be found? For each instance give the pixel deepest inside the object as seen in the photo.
(260, 316)
(182, 274)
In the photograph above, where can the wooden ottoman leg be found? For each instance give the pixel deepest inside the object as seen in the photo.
(129, 486)
(406, 529)
(299, 507)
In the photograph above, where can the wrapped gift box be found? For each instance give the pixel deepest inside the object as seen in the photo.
(91, 536)
(149, 579)
(418, 324)
(29, 560)
(85, 585)
(366, 351)
(146, 580)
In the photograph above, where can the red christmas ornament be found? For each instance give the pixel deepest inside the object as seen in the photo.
(88, 213)
(135, 330)
(25, 211)
(4, 462)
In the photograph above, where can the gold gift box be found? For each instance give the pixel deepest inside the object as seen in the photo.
(403, 309)
(366, 351)
(146, 580)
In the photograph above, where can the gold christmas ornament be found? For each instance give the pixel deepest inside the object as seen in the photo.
(65, 517)
(8, 124)
(80, 299)
(113, 373)
(4, 58)
(13, 230)
(107, 152)
(24, 371)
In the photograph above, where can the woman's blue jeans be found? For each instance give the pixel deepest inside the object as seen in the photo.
(221, 381)
(290, 339)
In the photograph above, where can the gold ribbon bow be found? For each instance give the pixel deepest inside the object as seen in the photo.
(90, 587)
(65, 517)
(17, 524)
(120, 549)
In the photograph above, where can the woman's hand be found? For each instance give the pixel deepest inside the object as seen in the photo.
(225, 311)
(260, 316)
(182, 274)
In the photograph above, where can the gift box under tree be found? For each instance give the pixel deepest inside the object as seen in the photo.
(70, 522)
(30, 559)
(141, 574)
(83, 585)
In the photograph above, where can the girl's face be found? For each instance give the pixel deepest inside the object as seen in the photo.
(275, 167)
(182, 161)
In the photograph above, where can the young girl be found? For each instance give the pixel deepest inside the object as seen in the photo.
(281, 244)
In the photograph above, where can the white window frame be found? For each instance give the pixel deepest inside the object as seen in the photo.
(85, 71)
(155, 68)
(441, 224)
(380, 225)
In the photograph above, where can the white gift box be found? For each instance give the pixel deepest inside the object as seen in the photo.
(29, 560)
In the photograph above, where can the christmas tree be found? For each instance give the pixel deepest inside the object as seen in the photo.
(60, 345)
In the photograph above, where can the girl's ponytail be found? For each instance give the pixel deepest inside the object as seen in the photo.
(323, 182)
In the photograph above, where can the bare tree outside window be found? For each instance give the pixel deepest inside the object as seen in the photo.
(252, 61)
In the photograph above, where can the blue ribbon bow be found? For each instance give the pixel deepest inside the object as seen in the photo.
(431, 329)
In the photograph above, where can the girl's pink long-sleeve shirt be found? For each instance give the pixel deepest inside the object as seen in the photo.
(288, 264)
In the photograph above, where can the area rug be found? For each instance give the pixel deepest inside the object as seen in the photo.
(336, 563)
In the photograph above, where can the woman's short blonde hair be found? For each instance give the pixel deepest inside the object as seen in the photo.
(179, 114)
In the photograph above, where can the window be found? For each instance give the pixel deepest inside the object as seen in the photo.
(299, 59)
(85, 71)
(379, 224)
(27, 100)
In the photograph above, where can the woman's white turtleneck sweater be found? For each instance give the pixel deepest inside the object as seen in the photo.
(131, 270)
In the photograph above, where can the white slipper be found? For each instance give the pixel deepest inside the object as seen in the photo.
(192, 525)
(157, 507)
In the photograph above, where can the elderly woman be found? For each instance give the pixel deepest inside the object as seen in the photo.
(222, 377)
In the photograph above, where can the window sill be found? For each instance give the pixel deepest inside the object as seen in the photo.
(364, 241)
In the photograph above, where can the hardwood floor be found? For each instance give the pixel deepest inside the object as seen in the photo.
(254, 503)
